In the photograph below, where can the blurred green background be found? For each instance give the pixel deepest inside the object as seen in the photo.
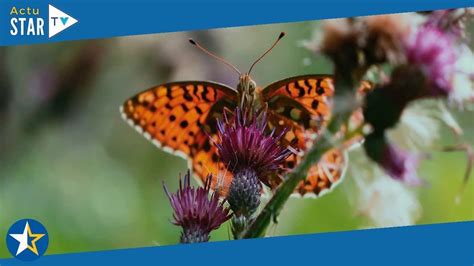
(68, 160)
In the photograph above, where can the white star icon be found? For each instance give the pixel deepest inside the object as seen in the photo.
(22, 238)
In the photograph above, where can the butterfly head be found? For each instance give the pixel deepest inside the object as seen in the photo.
(247, 87)
(246, 90)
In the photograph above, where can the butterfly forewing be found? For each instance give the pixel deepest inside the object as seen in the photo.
(304, 99)
(179, 117)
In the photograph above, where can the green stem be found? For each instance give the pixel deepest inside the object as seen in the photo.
(359, 131)
(239, 223)
(258, 227)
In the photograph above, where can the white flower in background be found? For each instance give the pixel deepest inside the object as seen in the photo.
(387, 202)
(384, 201)
(420, 125)
(463, 81)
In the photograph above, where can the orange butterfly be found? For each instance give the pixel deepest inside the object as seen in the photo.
(178, 117)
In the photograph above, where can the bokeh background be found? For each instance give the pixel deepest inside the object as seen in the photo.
(68, 160)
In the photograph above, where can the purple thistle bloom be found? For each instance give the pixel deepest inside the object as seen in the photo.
(401, 165)
(398, 163)
(243, 144)
(196, 212)
(434, 52)
(452, 21)
(252, 156)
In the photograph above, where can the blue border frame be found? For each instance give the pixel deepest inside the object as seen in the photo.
(436, 244)
(105, 19)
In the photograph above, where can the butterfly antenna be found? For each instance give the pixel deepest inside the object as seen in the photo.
(282, 34)
(218, 58)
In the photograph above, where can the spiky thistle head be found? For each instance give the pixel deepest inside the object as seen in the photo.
(400, 164)
(253, 156)
(197, 210)
(243, 144)
(433, 50)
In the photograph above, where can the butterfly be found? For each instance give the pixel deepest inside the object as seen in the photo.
(180, 117)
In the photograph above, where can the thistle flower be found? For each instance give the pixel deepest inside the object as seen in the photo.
(453, 21)
(384, 105)
(399, 164)
(437, 48)
(252, 156)
(195, 211)
(357, 43)
(244, 192)
(243, 144)
(433, 51)
(382, 41)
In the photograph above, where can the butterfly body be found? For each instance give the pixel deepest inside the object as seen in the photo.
(247, 91)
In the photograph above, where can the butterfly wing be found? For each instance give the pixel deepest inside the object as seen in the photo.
(302, 104)
(176, 116)
(303, 99)
(321, 177)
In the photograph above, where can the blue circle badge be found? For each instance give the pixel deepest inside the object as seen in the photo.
(27, 240)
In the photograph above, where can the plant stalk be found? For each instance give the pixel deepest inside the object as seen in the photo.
(258, 227)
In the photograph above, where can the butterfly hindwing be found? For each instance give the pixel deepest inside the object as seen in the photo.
(302, 105)
(179, 117)
(321, 177)
(204, 154)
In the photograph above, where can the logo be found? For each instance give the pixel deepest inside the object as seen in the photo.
(27, 240)
(30, 21)
(59, 21)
